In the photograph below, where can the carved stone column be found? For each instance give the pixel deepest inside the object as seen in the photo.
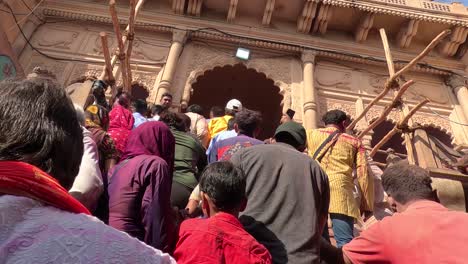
(458, 84)
(178, 40)
(309, 97)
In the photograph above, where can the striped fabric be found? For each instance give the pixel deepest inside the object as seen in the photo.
(339, 162)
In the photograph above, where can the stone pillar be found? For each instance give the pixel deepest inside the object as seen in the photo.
(458, 84)
(309, 96)
(178, 40)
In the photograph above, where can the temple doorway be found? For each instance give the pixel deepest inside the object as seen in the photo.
(256, 92)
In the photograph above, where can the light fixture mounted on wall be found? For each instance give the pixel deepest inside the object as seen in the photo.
(243, 53)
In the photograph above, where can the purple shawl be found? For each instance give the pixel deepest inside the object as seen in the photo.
(140, 187)
(151, 138)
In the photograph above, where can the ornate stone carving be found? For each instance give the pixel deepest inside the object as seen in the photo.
(364, 26)
(339, 80)
(232, 10)
(454, 81)
(308, 56)
(269, 8)
(304, 21)
(205, 59)
(321, 22)
(178, 6)
(179, 36)
(194, 7)
(326, 104)
(407, 32)
(450, 46)
(58, 40)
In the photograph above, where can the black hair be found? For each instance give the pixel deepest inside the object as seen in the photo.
(195, 109)
(121, 94)
(247, 121)
(156, 109)
(230, 124)
(166, 94)
(217, 111)
(225, 184)
(334, 117)
(405, 183)
(47, 134)
(140, 106)
(177, 121)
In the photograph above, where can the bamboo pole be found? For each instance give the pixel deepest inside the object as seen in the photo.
(396, 128)
(388, 54)
(121, 46)
(107, 58)
(124, 38)
(130, 37)
(388, 109)
(390, 82)
(421, 55)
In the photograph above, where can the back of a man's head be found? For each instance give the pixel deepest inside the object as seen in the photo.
(177, 121)
(224, 184)
(39, 126)
(194, 108)
(334, 117)
(140, 106)
(216, 111)
(247, 121)
(156, 109)
(405, 183)
(230, 124)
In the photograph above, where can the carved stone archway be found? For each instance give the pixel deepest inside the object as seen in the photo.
(257, 92)
(203, 59)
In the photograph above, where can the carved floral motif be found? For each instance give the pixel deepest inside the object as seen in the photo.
(58, 39)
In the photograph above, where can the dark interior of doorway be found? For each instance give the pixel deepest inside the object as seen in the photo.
(256, 92)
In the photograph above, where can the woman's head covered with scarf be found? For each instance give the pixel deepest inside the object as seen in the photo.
(39, 126)
(151, 138)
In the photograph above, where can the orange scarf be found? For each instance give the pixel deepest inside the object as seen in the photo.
(23, 179)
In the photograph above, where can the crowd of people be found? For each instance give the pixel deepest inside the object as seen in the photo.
(128, 182)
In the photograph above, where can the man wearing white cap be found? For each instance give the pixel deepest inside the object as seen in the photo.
(219, 124)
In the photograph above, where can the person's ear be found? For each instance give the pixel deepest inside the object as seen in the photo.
(205, 204)
(392, 203)
(243, 204)
(236, 128)
(256, 132)
(343, 125)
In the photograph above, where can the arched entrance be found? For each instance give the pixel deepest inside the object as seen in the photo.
(220, 84)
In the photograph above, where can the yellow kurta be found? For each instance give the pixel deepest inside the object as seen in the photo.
(217, 125)
(339, 162)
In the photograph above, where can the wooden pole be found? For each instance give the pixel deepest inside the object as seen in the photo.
(388, 109)
(393, 76)
(130, 37)
(388, 54)
(121, 46)
(107, 58)
(421, 55)
(124, 38)
(396, 128)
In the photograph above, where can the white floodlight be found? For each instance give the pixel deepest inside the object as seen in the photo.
(243, 54)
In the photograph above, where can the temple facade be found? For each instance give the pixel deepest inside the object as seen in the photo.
(306, 55)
